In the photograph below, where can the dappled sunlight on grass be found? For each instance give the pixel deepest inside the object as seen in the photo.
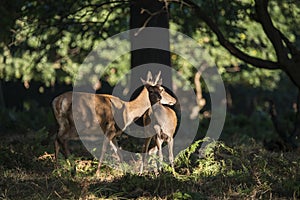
(218, 171)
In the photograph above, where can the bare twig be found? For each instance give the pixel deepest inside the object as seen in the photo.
(151, 15)
(181, 2)
(200, 100)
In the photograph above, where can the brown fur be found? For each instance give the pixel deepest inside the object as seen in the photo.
(164, 126)
(105, 108)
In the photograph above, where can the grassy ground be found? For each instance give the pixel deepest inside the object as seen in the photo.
(242, 171)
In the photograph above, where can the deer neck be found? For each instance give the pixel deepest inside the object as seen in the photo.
(137, 107)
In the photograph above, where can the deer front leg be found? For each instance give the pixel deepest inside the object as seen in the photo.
(159, 142)
(160, 154)
(171, 156)
(109, 138)
(114, 145)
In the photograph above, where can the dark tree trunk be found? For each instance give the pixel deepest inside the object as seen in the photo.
(2, 103)
(149, 13)
(288, 137)
(296, 131)
(143, 14)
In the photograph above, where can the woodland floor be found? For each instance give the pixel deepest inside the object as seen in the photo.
(243, 171)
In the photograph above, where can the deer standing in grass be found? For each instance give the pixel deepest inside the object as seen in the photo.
(164, 125)
(104, 111)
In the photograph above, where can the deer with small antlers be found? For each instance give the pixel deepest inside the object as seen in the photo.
(164, 125)
(104, 109)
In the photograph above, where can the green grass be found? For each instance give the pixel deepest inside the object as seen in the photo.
(243, 171)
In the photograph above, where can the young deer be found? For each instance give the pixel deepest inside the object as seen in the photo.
(164, 125)
(106, 108)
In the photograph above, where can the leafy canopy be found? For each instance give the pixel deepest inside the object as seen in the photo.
(48, 40)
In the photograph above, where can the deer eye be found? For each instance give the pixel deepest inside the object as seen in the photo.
(162, 89)
(151, 91)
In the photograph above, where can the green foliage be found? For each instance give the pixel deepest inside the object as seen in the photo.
(180, 195)
(184, 158)
(211, 164)
(51, 39)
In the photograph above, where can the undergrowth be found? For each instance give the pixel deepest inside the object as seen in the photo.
(207, 169)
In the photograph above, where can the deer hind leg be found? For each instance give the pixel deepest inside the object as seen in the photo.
(57, 148)
(61, 145)
(58, 145)
(65, 148)
(61, 140)
(103, 151)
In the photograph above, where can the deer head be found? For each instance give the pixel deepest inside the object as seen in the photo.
(156, 92)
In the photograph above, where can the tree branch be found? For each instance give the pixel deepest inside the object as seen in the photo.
(274, 35)
(97, 6)
(294, 51)
(257, 62)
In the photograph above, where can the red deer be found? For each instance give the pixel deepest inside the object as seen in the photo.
(105, 108)
(164, 125)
